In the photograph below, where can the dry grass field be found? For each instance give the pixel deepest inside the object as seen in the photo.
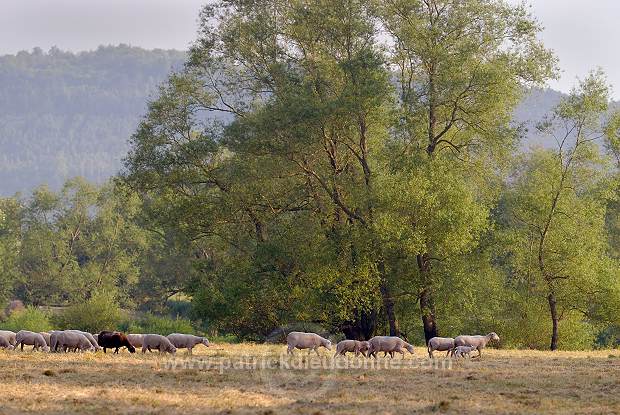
(255, 379)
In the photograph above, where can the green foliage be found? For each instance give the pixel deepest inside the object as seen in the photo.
(100, 312)
(349, 165)
(150, 323)
(31, 318)
(556, 236)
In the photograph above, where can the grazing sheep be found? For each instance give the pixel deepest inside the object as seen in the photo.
(187, 341)
(352, 346)
(364, 346)
(90, 338)
(54, 337)
(72, 340)
(136, 340)
(114, 340)
(9, 336)
(156, 341)
(46, 336)
(462, 351)
(4, 343)
(388, 344)
(36, 340)
(479, 342)
(311, 341)
(440, 344)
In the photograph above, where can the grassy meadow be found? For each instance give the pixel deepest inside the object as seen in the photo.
(214, 380)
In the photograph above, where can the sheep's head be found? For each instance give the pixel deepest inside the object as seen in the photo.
(130, 348)
(493, 336)
(173, 350)
(46, 348)
(409, 347)
(205, 341)
(364, 345)
(327, 344)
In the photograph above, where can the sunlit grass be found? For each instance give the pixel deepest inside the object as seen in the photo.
(503, 381)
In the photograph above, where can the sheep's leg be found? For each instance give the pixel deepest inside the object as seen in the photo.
(448, 354)
(189, 351)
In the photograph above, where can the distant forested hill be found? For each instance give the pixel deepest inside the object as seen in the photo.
(64, 114)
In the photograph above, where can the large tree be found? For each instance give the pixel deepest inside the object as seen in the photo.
(310, 175)
(461, 68)
(556, 236)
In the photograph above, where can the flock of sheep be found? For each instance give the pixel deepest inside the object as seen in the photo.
(460, 346)
(76, 340)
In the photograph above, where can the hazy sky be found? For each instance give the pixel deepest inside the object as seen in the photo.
(584, 34)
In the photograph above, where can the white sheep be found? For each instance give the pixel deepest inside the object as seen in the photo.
(73, 340)
(136, 340)
(353, 346)
(46, 336)
(9, 336)
(478, 342)
(89, 336)
(462, 351)
(186, 341)
(440, 344)
(156, 341)
(388, 344)
(54, 337)
(311, 341)
(29, 338)
(4, 343)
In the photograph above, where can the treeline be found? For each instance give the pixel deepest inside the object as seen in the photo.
(336, 198)
(329, 196)
(85, 241)
(64, 114)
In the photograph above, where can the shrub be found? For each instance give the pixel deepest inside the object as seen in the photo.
(152, 324)
(100, 312)
(30, 318)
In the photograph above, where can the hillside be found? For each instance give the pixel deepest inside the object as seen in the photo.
(64, 114)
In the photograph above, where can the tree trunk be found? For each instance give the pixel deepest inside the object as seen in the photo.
(555, 319)
(427, 304)
(362, 328)
(427, 309)
(388, 306)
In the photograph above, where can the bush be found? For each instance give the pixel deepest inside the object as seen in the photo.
(152, 324)
(100, 312)
(30, 318)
